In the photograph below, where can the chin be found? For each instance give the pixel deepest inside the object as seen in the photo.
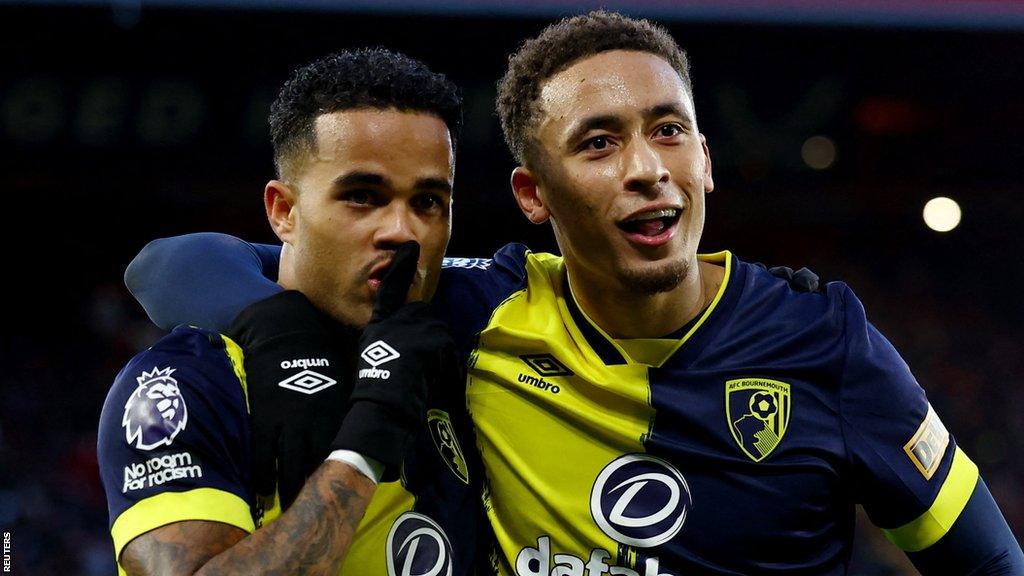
(655, 278)
(355, 316)
(361, 317)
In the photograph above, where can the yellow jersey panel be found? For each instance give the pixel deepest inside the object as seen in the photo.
(550, 415)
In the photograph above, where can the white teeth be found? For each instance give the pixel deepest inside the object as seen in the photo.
(668, 213)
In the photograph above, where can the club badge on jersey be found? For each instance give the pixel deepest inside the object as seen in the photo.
(447, 444)
(757, 410)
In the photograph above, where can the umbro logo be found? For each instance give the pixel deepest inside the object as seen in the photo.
(376, 354)
(307, 382)
(546, 365)
(304, 363)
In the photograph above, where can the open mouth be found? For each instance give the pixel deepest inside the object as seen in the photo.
(651, 225)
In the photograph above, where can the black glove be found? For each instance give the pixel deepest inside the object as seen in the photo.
(402, 352)
(298, 364)
(803, 280)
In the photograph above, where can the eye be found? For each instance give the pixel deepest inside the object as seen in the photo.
(427, 202)
(358, 196)
(599, 143)
(669, 131)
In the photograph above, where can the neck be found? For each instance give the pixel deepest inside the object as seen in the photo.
(625, 313)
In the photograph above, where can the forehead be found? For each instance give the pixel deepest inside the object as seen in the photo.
(389, 141)
(610, 82)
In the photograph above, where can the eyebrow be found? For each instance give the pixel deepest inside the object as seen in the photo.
(433, 184)
(613, 122)
(361, 178)
(609, 122)
(666, 109)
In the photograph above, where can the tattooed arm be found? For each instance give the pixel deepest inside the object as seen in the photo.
(311, 537)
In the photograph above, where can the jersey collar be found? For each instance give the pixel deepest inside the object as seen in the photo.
(610, 352)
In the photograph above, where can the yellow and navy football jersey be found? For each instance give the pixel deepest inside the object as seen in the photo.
(739, 446)
(174, 445)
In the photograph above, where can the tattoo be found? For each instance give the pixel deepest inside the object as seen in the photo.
(311, 537)
(179, 548)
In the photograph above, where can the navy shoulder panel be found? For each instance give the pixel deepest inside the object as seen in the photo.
(761, 319)
(175, 419)
(471, 288)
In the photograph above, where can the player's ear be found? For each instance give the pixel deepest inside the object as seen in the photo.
(524, 187)
(709, 183)
(279, 200)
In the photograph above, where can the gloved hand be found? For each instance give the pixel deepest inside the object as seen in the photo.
(403, 351)
(803, 280)
(298, 364)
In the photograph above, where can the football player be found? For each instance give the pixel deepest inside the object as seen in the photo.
(641, 409)
(362, 203)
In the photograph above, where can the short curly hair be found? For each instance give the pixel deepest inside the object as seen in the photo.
(558, 47)
(352, 79)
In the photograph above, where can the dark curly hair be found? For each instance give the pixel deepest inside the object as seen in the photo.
(558, 47)
(350, 79)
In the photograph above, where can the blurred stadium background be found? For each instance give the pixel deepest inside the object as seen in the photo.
(830, 128)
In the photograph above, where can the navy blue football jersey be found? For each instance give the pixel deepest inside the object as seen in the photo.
(174, 446)
(739, 447)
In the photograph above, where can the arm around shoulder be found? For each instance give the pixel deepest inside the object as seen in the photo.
(202, 279)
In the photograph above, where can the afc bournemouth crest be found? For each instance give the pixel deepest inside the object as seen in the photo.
(758, 413)
(444, 438)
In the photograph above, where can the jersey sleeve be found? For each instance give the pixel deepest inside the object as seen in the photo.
(202, 279)
(908, 472)
(979, 543)
(173, 441)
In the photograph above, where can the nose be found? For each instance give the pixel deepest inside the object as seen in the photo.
(644, 171)
(396, 226)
